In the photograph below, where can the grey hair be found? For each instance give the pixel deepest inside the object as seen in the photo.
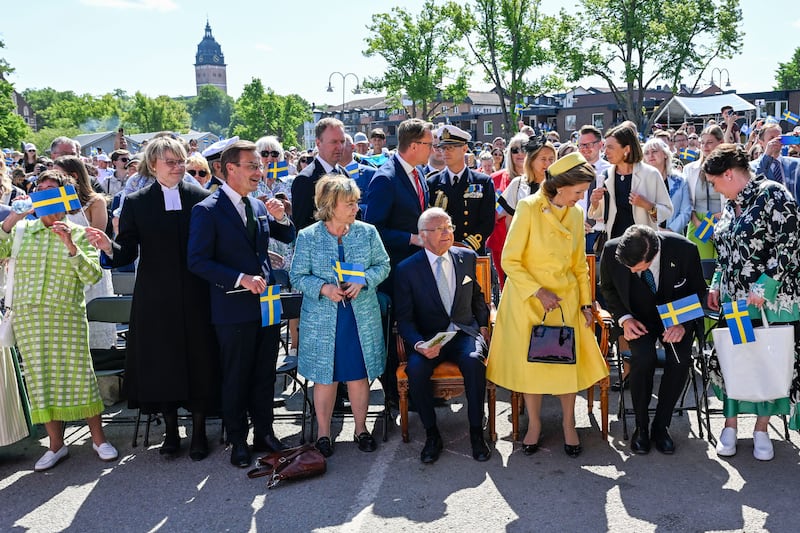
(270, 142)
(431, 214)
(65, 140)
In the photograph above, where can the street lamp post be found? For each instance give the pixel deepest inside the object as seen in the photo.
(721, 70)
(344, 77)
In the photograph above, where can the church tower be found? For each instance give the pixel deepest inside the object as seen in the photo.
(209, 66)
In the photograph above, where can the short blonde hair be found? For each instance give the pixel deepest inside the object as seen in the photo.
(198, 161)
(330, 189)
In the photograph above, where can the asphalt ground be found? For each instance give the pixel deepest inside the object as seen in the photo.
(605, 489)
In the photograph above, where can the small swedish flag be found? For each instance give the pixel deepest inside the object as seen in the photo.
(791, 118)
(271, 305)
(739, 323)
(352, 169)
(687, 154)
(706, 228)
(349, 272)
(277, 170)
(54, 201)
(681, 310)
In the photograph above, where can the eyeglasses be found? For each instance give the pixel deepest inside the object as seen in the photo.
(448, 147)
(195, 173)
(251, 166)
(270, 153)
(585, 146)
(172, 163)
(441, 229)
(422, 142)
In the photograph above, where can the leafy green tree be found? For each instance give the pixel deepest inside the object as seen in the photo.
(509, 39)
(65, 109)
(13, 129)
(156, 114)
(260, 112)
(44, 136)
(211, 110)
(788, 74)
(633, 43)
(419, 52)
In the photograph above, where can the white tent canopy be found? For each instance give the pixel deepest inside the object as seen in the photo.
(679, 108)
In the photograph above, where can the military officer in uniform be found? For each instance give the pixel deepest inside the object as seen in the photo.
(466, 195)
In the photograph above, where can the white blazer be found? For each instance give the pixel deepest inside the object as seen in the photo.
(647, 182)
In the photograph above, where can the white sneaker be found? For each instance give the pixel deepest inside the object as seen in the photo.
(106, 452)
(292, 352)
(726, 445)
(51, 459)
(762, 446)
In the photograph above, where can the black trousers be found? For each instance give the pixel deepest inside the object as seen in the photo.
(463, 350)
(643, 367)
(248, 354)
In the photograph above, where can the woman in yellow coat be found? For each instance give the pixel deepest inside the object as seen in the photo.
(545, 264)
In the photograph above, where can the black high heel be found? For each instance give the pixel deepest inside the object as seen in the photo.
(573, 450)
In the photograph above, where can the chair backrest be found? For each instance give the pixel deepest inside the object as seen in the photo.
(290, 305)
(123, 282)
(708, 266)
(282, 278)
(113, 309)
(483, 271)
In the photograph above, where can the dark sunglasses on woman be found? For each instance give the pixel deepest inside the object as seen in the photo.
(195, 173)
(268, 153)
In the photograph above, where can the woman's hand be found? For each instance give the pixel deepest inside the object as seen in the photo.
(638, 200)
(588, 315)
(14, 217)
(549, 299)
(597, 195)
(755, 299)
(713, 300)
(64, 233)
(332, 292)
(352, 289)
(99, 239)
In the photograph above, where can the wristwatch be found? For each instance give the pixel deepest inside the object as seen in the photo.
(653, 211)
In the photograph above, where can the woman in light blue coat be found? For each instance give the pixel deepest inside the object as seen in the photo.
(657, 154)
(341, 338)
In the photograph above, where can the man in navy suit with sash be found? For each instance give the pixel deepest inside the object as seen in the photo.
(396, 197)
(639, 271)
(228, 241)
(436, 290)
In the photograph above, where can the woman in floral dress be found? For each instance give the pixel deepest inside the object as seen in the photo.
(756, 241)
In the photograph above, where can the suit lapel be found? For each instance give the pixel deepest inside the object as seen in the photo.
(228, 209)
(405, 181)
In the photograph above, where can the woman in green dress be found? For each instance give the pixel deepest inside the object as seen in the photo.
(54, 263)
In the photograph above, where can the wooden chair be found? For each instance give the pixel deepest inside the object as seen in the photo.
(603, 322)
(446, 380)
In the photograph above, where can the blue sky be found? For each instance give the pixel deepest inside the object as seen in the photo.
(96, 46)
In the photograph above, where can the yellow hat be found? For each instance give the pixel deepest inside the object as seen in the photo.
(568, 162)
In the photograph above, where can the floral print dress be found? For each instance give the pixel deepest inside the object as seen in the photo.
(758, 251)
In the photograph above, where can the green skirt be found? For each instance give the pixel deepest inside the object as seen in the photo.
(780, 406)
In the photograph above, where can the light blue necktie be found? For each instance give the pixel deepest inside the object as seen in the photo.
(442, 285)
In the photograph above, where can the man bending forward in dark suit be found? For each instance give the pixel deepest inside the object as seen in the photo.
(638, 271)
(436, 290)
(228, 240)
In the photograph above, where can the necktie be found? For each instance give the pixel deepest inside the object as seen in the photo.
(648, 278)
(442, 285)
(777, 171)
(420, 192)
(251, 220)
(455, 180)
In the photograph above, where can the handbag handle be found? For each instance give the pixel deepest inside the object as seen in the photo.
(19, 231)
(563, 323)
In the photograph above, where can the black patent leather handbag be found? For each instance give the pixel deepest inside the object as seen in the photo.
(552, 344)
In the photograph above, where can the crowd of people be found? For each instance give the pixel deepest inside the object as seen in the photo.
(206, 231)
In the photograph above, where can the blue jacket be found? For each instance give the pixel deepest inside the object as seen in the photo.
(681, 204)
(791, 171)
(220, 250)
(311, 269)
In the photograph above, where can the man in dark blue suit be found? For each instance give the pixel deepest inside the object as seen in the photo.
(436, 290)
(773, 165)
(396, 197)
(228, 240)
(362, 174)
(329, 134)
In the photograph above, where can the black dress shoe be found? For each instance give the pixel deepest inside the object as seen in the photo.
(366, 442)
(240, 455)
(324, 446)
(530, 449)
(198, 450)
(171, 446)
(640, 442)
(432, 449)
(573, 450)
(664, 442)
(268, 443)
(617, 386)
(480, 450)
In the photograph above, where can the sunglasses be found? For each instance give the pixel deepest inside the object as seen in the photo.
(516, 150)
(195, 173)
(306, 160)
(123, 159)
(268, 153)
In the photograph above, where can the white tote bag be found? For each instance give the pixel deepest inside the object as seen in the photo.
(757, 371)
